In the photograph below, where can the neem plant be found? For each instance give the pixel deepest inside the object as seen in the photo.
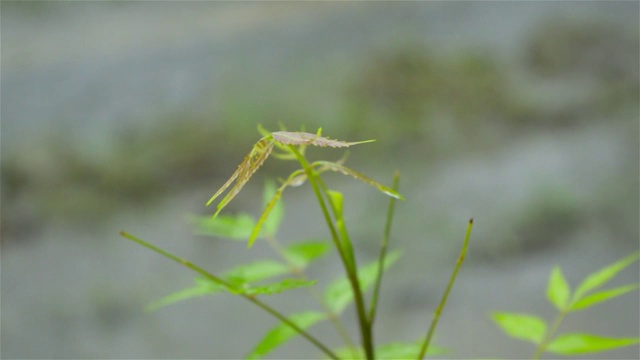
(534, 329)
(247, 281)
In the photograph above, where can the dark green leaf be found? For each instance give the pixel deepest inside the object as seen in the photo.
(282, 333)
(570, 344)
(521, 326)
(601, 296)
(558, 291)
(339, 293)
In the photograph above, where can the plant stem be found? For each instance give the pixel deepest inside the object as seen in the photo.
(239, 292)
(275, 244)
(543, 344)
(383, 250)
(349, 265)
(443, 301)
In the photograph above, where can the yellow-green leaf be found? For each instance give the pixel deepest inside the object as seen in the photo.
(558, 290)
(521, 326)
(602, 276)
(283, 333)
(570, 344)
(601, 296)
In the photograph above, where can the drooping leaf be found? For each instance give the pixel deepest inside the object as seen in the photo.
(558, 291)
(283, 333)
(570, 344)
(339, 294)
(200, 289)
(270, 206)
(602, 276)
(359, 176)
(256, 157)
(521, 326)
(278, 287)
(236, 227)
(301, 254)
(272, 222)
(601, 296)
(305, 138)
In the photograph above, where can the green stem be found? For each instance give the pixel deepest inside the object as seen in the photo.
(239, 292)
(543, 344)
(383, 250)
(352, 274)
(335, 320)
(443, 301)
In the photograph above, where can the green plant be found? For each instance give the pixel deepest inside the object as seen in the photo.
(534, 329)
(248, 280)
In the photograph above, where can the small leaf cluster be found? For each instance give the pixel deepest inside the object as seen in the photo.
(534, 329)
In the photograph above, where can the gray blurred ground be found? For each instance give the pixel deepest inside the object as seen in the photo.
(129, 115)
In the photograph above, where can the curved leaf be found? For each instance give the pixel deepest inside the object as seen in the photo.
(359, 176)
(256, 157)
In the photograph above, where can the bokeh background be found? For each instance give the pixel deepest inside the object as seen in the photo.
(129, 115)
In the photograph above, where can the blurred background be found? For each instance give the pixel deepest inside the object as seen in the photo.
(129, 115)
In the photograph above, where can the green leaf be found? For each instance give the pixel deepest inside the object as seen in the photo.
(231, 227)
(570, 344)
(272, 223)
(283, 333)
(272, 205)
(255, 271)
(200, 289)
(601, 296)
(337, 199)
(521, 326)
(256, 157)
(338, 294)
(278, 287)
(357, 175)
(558, 291)
(301, 254)
(601, 277)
